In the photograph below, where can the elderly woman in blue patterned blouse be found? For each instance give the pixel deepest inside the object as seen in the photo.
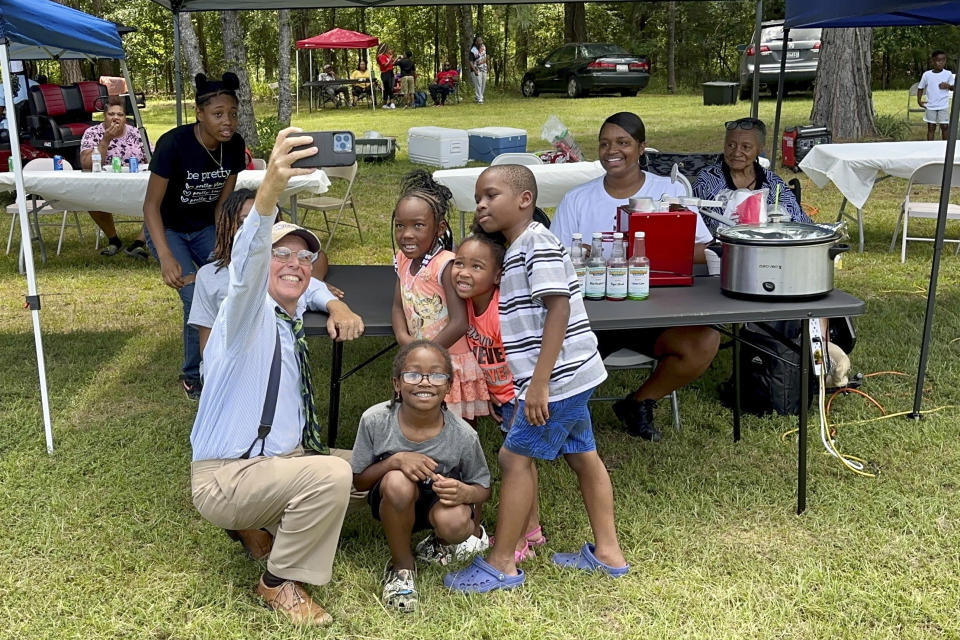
(739, 169)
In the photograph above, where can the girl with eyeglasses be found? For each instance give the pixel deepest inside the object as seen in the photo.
(424, 468)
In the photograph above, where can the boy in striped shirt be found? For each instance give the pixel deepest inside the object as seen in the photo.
(553, 356)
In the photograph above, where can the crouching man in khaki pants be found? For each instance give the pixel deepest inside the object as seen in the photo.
(256, 418)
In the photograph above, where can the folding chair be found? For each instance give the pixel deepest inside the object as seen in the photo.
(324, 204)
(912, 106)
(38, 207)
(629, 359)
(929, 174)
(517, 158)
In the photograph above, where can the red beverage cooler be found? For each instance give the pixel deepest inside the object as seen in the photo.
(669, 238)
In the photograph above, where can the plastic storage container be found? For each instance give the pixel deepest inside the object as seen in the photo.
(486, 143)
(371, 149)
(438, 146)
(719, 93)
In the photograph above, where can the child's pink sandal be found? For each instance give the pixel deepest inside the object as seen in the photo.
(519, 555)
(535, 538)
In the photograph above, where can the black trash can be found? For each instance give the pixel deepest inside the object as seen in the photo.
(717, 92)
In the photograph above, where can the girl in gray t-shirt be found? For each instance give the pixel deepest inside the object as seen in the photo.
(424, 469)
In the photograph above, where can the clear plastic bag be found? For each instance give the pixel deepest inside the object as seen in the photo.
(554, 132)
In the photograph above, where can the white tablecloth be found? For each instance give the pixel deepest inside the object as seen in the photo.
(853, 167)
(553, 181)
(123, 193)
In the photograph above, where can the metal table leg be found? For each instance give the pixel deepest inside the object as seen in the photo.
(336, 364)
(802, 426)
(737, 411)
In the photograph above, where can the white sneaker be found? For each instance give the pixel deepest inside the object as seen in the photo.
(472, 546)
(393, 106)
(399, 589)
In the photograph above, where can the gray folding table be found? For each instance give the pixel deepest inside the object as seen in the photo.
(369, 292)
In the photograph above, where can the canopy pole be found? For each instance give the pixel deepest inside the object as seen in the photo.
(755, 94)
(310, 69)
(177, 71)
(136, 110)
(26, 244)
(373, 99)
(948, 164)
(296, 53)
(776, 120)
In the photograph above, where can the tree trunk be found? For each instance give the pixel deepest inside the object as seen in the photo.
(190, 47)
(575, 21)
(285, 100)
(466, 36)
(672, 46)
(842, 100)
(436, 38)
(235, 58)
(479, 26)
(506, 41)
(450, 17)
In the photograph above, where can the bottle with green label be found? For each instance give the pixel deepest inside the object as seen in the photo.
(638, 270)
(617, 270)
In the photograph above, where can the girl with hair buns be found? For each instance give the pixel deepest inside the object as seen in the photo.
(425, 303)
(194, 168)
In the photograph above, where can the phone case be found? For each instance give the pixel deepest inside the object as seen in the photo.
(334, 149)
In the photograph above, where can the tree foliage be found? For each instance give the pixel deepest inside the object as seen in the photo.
(707, 35)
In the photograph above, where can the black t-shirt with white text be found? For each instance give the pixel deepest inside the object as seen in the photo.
(195, 177)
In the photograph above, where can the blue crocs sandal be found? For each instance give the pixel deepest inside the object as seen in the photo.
(586, 561)
(480, 577)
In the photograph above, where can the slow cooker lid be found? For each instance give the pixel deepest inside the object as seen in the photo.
(778, 233)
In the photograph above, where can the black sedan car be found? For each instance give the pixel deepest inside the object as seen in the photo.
(580, 68)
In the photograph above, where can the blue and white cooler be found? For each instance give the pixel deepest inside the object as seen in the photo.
(486, 143)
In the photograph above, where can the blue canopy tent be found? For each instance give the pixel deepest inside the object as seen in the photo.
(886, 13)
(35, 30)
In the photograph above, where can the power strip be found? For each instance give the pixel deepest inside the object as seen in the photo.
(817, 345)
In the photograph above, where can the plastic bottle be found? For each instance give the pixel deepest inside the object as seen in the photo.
(579, 264)
(617, 270)
(117, 164)
(638, 270)
(596, 286)
(96, 161)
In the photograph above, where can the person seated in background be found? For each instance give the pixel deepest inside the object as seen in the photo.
(739, 169)
(337, 94)
(213, 278)
(22, 83)
(446, 82)
(362, 74)
(114, 138)
(683, 353)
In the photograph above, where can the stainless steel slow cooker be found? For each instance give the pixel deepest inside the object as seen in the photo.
(779, 259)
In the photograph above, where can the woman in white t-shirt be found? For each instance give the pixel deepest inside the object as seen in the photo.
(684, 353)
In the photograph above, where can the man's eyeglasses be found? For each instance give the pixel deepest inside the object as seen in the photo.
(304, 256)
(415, 377)
(746, 124)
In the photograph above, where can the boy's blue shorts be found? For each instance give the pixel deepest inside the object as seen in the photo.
(569, 429)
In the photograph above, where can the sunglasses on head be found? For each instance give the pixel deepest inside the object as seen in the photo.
(746, 124)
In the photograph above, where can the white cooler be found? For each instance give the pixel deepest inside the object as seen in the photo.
(438, 146)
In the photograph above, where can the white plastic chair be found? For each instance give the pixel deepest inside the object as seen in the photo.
(929, 174)
(912, 106)
(517, 158)
(629, 359)
(38, 207)
(259, 164)
(323, 204)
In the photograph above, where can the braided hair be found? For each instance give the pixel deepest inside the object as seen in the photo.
(227, 224)
(421, 185)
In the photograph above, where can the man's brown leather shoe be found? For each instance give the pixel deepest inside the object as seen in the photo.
(291, 600)
(257, 542)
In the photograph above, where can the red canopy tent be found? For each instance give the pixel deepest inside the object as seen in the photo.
(338, 39)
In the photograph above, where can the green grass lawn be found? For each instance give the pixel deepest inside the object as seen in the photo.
(103, 541)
